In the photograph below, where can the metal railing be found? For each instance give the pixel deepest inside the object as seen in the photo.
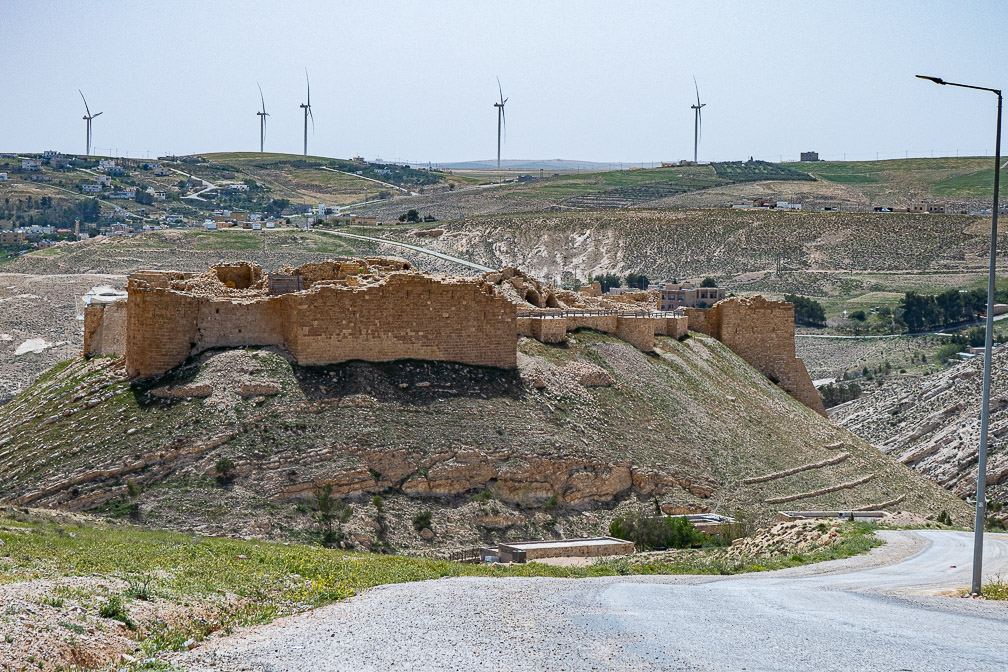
(598, 312)
(466, 555)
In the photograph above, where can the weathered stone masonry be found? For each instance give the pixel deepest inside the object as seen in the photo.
(762, 333)
(380, 309)
(389, 316)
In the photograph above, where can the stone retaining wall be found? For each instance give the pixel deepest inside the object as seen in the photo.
(637, 331)
(549, 329)
(570, 548)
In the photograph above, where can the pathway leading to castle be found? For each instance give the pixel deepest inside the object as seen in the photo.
(873, 612)
(415, 248)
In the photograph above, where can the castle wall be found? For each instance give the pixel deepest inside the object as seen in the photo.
(637, 331)
(105, 329)
(762, 333)
(604, 323)
(703, 320)
(549, 329)
(224, 323)
(406, 316)
(160, 328)
(675, 327)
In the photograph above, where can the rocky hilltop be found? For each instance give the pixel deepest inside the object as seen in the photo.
(933, 424)
(240, 441)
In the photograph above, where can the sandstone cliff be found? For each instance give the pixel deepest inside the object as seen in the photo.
(932, 424)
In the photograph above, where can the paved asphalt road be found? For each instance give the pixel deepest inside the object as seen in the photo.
(875, 612)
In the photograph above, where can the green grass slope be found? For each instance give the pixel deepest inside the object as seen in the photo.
(904, 179)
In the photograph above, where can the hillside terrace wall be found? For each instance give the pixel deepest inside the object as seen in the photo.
(397, 316)
(762, 333)
(676, 327)
(548, 329)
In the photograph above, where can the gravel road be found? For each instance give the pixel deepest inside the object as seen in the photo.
(874, 612)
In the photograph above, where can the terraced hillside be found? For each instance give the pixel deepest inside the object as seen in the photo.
(579, 432)
(184, 250)
(898, 181)
(933, 425)
(819, 253)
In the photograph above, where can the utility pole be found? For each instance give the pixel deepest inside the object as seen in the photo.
(981, 494)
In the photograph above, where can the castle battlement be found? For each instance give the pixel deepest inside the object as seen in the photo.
(373, 310)
(380, 309)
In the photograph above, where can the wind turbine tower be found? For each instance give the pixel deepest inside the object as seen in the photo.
(501, 122)
(306, 106)
(87, 117)
(696, 120)
(262, 120)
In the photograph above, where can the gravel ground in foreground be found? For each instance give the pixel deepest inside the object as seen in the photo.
(874, 604)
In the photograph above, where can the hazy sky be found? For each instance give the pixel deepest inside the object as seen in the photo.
(607, 81)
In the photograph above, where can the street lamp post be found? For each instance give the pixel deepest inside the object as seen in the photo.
(981, 497)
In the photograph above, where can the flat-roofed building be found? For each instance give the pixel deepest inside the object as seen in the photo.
(685, 295)
(12, 237)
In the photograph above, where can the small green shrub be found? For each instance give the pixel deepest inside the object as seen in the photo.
(328, 512)
(53, 601)
(225, 468)
(656, 532)
(996, 589)
(139, 587)
(113, 608)
(72, 627)
(944, 518)
(482, 497)
(132, 489)
(551, 503)
(422, 520)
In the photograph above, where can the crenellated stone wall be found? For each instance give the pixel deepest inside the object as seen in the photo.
(350, 310)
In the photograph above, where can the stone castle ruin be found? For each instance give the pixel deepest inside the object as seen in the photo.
(762, 333)
(376, 309)
(380, 309)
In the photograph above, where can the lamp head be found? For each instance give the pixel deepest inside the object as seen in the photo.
(936, 80)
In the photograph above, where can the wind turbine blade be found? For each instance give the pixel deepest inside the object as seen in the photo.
(312, 117)
(85, 101)
(309, 88)
(261, 98)
(699, 124)
(499, 89)
(504, 122)
(697, 90)
(505, 100)
(96, 115)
